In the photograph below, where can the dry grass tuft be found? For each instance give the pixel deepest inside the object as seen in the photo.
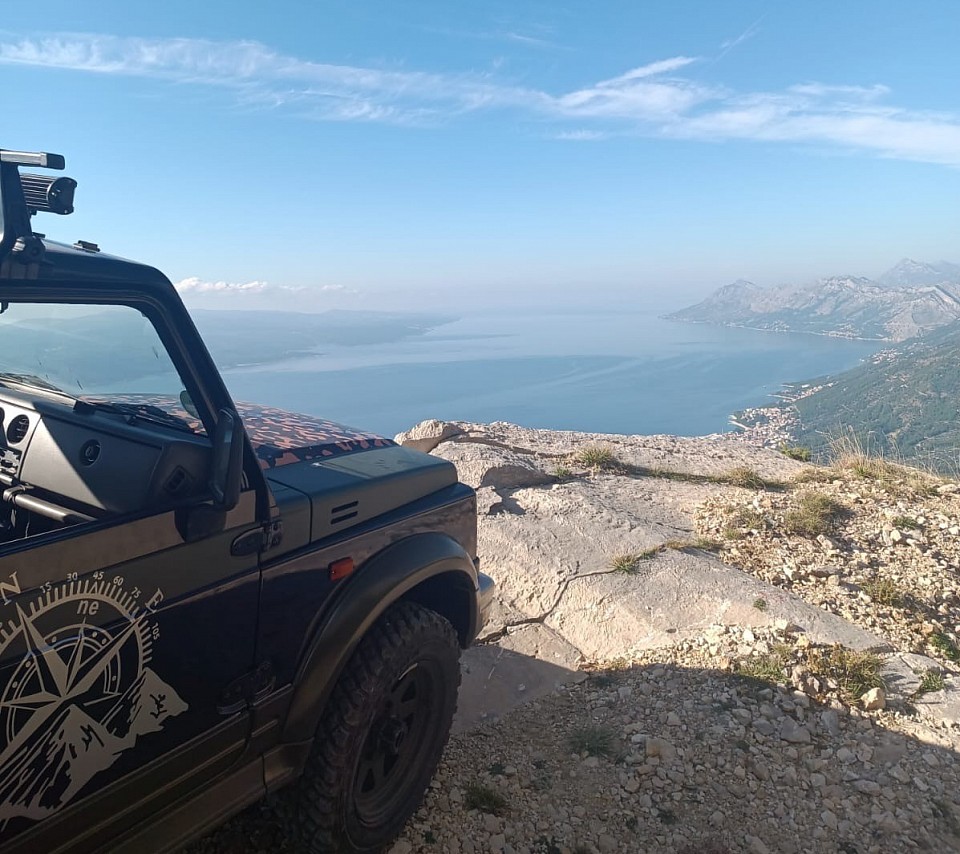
(852, 457)
(629, 562)
(746, 478)
(596, 458)
(741, 521)
(795, 452)
(852, 672)
(855, 672)
(479, 796)
(883, 591)
(814, 514)
(593, 740)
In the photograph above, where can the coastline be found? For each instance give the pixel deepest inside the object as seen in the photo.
(773, 426)
(728, 325)
(777, 425)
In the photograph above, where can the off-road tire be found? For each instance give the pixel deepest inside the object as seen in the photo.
(409, 660)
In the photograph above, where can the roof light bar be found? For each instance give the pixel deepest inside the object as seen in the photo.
(22, 196)
(51, 195)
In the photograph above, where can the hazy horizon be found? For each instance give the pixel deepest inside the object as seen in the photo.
(427, 154)
(585, 298)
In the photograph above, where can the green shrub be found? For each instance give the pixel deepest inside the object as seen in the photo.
(932, 680)
(883, 591)
(745, 477)
(593, 740)
(813, 515)
(596, 457)
(855, 672)
(629, 562)
(945, 646)
(795, 452)
(478, 796)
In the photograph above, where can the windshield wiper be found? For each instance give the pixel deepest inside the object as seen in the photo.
(137, 410)
(30, 379)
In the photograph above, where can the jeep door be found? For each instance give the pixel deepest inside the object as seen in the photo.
(118, 647)
(127, 623)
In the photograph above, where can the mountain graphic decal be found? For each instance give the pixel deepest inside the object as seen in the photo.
(81, 695)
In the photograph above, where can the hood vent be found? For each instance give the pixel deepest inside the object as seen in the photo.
(343, 512)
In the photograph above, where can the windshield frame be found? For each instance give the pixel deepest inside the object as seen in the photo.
(76, 360)
(175, 346)
(150, 292)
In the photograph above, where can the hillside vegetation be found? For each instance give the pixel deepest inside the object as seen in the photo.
(902, 403)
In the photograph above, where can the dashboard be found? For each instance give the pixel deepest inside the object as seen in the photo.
(70, 464)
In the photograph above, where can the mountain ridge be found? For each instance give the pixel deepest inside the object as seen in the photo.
(909, 299)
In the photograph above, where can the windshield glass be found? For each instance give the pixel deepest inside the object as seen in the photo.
(90, 352)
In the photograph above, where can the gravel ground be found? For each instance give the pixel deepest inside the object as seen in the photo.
(888, 561)
(676, 752)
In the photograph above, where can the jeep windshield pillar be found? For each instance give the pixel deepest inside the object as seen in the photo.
(202, 601)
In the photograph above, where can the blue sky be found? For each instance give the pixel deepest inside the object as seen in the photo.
(343, 154)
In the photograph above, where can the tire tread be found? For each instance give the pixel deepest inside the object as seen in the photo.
(403, 627)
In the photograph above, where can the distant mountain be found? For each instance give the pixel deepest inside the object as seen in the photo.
(903, 402)
(913, 298)
(909, 274)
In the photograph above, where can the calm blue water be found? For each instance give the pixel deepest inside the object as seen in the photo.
(610, 372)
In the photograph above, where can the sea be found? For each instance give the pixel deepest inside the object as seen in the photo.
(628, 372)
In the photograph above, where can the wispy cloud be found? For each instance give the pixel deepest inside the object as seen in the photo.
(196, 285)
(256, 293)
(582, 135)
(661, 99)
(640, 94)
(530, 41)
(260, 75)
(662, 66)
(501, 35)
(840, 116)
(857, 93)
(748, 33)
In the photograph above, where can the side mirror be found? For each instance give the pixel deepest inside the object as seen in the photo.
(227, 464)
(187, 403)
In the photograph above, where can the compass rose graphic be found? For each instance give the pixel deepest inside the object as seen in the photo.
(81, 695)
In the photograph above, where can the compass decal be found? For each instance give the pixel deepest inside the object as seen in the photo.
(82, 693)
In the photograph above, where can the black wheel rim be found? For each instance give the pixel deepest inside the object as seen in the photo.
(393, 756)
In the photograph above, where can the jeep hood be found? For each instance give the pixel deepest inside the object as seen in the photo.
(327, 478)
(324, 476)
(280, 437)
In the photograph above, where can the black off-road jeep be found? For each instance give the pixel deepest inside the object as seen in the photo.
(201, 602)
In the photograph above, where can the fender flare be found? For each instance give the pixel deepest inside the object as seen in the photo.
(389, 575)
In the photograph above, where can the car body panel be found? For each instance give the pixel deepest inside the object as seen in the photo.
(115, 652)
(159, 671)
